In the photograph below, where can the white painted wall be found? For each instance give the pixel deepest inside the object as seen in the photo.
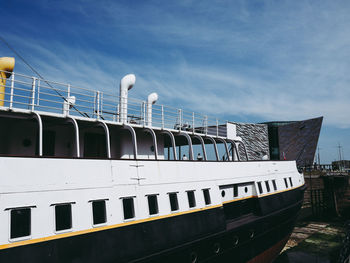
(41, 182)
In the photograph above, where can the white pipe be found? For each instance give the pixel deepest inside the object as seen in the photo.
(68, 104)
(152, 98)
(126, 83)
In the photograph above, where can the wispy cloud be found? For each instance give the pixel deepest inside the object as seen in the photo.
(271, 60)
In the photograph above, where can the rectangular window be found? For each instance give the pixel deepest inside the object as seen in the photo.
(235, 190)
(128, 208)
(63, 217)
(191, 199)
(260, 188)
(20, 222)
(285, 182)
(267, 186)
(174, 205)
(274, 185)
(290, 181)
(99, 212)
(152, 204)
(206, 194)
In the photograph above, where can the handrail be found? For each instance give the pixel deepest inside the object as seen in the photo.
(37, 94)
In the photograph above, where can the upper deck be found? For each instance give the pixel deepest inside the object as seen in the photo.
(30, 93)
(43, 98)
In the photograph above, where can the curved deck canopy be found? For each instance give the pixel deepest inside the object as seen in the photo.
(215, 146)
(188, 138)
(108, 143)
(234, 149)
(189, 141)
(40, 123)
(203, 145)
(225, 144)
(76, 128)
(154, 137)
(133, 137)
(172, 139)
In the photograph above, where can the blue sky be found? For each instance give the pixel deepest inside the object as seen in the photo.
(245, 61)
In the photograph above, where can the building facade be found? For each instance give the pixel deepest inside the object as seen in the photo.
(294, 140)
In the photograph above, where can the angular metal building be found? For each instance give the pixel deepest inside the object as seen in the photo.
(281, 140)
(294, 140)
(256, 139)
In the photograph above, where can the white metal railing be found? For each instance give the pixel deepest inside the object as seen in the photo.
(35, 94)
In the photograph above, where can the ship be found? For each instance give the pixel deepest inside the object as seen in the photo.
(92, 176)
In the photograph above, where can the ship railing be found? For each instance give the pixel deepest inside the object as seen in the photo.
(36, 94)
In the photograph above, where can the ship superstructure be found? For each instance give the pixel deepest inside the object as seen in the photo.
(88, 176)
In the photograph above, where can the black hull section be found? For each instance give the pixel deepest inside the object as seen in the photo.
(212, 235)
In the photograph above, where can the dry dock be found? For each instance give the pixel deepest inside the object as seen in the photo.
(322, 233)
(320, 242)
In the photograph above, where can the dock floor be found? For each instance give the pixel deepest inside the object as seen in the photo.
(314, 241)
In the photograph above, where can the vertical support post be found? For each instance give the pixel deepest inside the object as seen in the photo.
(98, 104)
(37, 116)
(108, 143)
(118, 113)
(162, 117)
(76, 128)
(206, 124)
(217, 128)
(101, 104)
(94, 108)
(33, 93)
(12, 88)
(66, 101)
(192, 122)
(141, 112)
(144, 113)
(38, 94)
(180, 119)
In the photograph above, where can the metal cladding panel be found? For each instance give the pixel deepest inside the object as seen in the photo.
(255, 138)
(298, 140)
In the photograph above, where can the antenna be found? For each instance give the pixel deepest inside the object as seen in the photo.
(340, 157)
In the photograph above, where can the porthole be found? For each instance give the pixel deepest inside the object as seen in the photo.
(216, 248)
(235, 240)
(246, 189)
(194, 257)
(251, 233)
(223, 193)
